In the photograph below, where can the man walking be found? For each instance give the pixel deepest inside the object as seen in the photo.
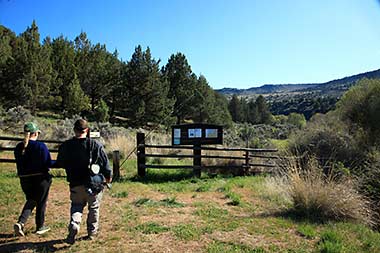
(87, 169)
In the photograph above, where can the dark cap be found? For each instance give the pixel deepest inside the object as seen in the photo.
(80, 125)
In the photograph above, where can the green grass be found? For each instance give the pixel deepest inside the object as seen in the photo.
(151, 228)
(187, 232)
(280, 144)
(235, 198)
(170, 202)
(217, 247)
(307, 231)
(121, 194)
(331, 242)
(167, 202)
(135, 213)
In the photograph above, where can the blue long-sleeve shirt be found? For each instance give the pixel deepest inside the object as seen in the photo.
(36, 158)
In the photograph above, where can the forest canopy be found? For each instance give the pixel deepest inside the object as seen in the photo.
(80, 77)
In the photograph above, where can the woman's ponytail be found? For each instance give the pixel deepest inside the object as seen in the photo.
(26, 141)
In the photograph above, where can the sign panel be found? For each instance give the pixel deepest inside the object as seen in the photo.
(94, 134)
(197, 134)
(177, 133)
(211, 133)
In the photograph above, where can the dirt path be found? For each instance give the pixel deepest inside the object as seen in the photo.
(126, 227)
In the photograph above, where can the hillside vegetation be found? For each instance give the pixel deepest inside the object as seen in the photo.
(306, 99)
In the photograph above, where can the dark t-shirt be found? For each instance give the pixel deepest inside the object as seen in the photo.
(74, 156)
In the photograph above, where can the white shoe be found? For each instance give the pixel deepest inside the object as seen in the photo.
(18, 228)
(42, 230)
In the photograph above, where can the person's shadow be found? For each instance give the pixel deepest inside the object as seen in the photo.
(8, 244)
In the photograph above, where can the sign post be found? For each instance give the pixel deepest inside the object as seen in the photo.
(197, 135)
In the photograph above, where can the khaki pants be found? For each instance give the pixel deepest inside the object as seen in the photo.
(79, 199)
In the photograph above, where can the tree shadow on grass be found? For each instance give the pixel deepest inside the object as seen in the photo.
(47, 246)
(163, 176)
(295, 216)
(4, 238)
(173, 175)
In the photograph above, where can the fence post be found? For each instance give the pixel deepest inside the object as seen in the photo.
(116, 165)
(197, 151)
(141, 154)
(246, 162)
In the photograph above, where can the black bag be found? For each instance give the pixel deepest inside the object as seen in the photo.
(95, 184)
(96, 180)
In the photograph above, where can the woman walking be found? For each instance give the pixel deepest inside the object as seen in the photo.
(33, 162)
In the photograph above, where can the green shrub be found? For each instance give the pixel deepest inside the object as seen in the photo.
(370, 186)
(360, 108)
(297, 120)
(328, 139)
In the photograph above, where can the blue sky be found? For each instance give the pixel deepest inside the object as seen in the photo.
(233, 43)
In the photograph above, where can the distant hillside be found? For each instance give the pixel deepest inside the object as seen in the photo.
(334, 87)
(307, 99)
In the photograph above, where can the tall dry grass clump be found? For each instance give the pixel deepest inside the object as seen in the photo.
(124, 143)
(318, 195)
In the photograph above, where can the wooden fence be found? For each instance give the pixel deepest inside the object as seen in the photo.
(197, 157)
(115, 154)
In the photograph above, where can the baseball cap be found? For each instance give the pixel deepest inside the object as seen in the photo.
(31, 127)
(80, 125)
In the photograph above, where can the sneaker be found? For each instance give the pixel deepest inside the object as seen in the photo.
(91, 236)
(42, 230)
(19, 229)
(73, 231)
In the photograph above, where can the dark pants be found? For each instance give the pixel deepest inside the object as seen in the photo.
(36, 189)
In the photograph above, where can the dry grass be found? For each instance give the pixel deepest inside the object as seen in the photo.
(219, 161)
(316, 195)
(124, 143)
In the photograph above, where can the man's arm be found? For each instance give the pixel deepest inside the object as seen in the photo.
(105, 168)
(59, 162)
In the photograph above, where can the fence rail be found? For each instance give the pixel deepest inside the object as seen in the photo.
(9, 138)
(197, 167)
(115, 154)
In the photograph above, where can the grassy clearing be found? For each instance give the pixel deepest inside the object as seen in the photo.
(171, 211)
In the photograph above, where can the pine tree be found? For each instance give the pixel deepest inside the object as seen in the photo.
(204, 100)
(210, 107)
(115, 73)
(63, 61)
(76, 101)
(147, 90)
(253, 112)
(182, 83)
(265, 115)
(234, 107)
(8, 67)
(222, 115)
(36, 72)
